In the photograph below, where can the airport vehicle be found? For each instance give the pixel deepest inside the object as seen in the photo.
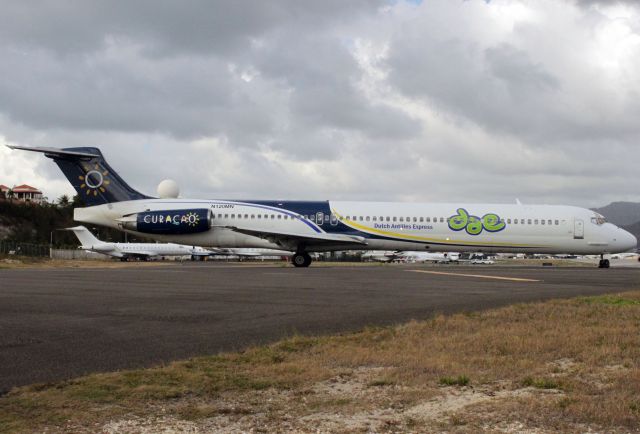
(479, 261)
(318, 226)
(144, 251)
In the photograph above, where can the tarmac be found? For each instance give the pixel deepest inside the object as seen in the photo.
(57, 324)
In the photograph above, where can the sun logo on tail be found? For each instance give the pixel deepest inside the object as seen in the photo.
(95, 179)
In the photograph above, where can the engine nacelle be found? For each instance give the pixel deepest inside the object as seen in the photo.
(169, 222)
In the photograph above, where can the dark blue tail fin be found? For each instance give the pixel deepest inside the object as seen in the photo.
(92, 177)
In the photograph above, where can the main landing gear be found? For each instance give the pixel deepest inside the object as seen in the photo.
(301, 259)
(604, 263)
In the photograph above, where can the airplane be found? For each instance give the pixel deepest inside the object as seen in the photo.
(401, 256)
(438, 258)
(380, 256)
(321, 226)
(144, 251)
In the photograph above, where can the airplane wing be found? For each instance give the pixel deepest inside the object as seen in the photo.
(140, 254)
(291, 240)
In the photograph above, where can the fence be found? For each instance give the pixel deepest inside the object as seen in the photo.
(23, 249)
(76, 254)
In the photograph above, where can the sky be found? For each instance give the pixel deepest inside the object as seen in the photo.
(429, 101)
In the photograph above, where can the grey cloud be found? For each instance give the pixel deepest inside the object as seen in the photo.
(164, 27)
(264, 99)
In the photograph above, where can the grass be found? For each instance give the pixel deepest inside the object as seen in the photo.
(540, 383)
(561, 365)
(460, 380)
(610, 300)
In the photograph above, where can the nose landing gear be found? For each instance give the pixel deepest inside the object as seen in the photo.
(604, 263)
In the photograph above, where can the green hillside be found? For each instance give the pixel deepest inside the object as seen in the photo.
(38, 224)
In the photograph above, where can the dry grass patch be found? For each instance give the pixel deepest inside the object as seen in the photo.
(566, 365)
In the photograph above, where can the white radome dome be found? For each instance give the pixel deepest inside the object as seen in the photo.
(168, 189)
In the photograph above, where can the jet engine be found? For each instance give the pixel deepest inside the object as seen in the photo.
(170, 222)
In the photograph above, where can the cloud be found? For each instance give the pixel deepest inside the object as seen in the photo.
(370, 100)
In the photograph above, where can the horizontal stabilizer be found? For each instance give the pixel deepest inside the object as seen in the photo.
(55, 152)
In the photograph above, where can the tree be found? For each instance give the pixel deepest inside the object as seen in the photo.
(77, 202)
(64, 201)
(10, 195)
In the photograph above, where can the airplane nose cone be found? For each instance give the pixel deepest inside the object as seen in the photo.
(627, 240)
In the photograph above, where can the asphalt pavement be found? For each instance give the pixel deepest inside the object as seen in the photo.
(60, 323)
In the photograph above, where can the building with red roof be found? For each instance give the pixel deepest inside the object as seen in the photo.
(22, 193)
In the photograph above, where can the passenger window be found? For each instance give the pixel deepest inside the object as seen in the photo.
(528, 221)
(515, 221)
(375, 219)
(279, 216)
(368, 218)
(428, 219)
(401, 219)
(535, 222)
(542, 221)
(395, 219)
(421, 219)
(273, 216)
(226, 216)
(557, 222)
(319, 218)
(549, 222)
(326, 218)
(219, 216)
(233, 216)
(441, 219)
(388, 219)
(508, 221)
(435, 219)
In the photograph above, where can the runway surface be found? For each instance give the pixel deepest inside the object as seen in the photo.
(61, 323)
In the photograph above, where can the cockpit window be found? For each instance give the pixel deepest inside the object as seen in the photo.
(598, 220)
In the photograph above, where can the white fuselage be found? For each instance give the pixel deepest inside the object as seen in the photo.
(387, 225)
(121, 250)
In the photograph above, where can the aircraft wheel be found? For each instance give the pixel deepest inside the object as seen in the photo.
(301, 260)
(604, 263)
(123, 259)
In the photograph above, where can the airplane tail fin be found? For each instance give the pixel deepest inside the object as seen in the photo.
(86, 169)
(85, 236)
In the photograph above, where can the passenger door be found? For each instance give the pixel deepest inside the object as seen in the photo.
(578, 229)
